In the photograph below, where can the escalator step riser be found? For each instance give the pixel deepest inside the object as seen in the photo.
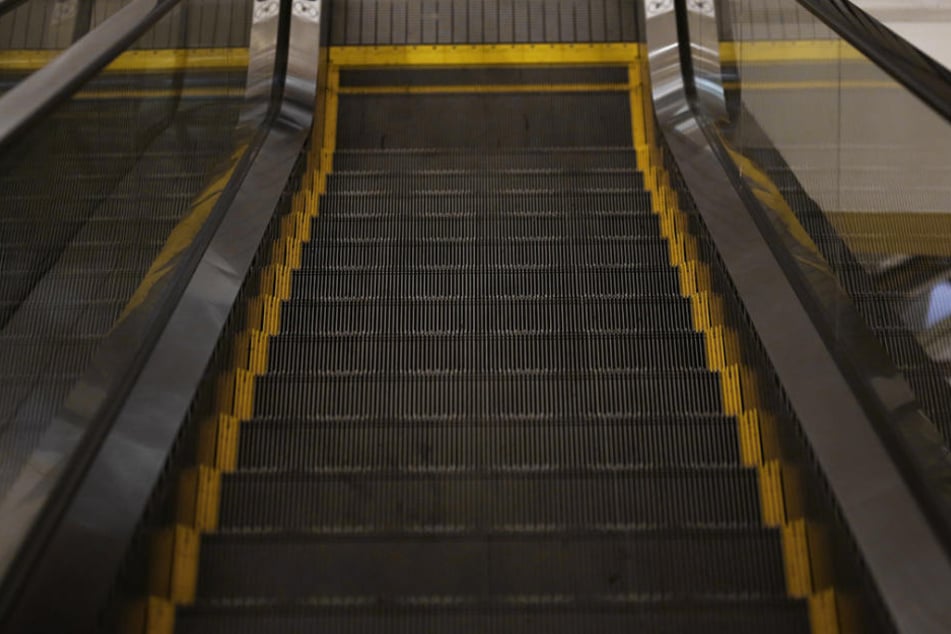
(486, 315)
(584, 283)
(458, 353)
(451, 501)
(416, 160)
(632, 202)
(676, 562)
(514, 395)
(561, 441)
(481, 182)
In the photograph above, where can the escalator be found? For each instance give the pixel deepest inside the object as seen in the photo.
(487, 369)
(485, 399)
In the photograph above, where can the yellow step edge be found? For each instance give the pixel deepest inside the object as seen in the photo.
(218, 442)
(483, 89)
(485, 55)
(824, 612)
(173, 568)
(796, 559)
(235, 394)
(199, 491)
(138, 61)
(152, 615)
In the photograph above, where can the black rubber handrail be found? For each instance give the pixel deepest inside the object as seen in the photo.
(928, 79)
(37, 95)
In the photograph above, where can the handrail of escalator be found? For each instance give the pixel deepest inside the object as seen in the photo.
(132, 404)
(41, 92)
(929, 80)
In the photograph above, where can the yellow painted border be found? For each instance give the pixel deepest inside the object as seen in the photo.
(773, 51)
(482, 89)
(138, 61)
(810, 85)
(485, 55)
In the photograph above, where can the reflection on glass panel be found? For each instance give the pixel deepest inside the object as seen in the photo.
(864, 165)
(91, 197)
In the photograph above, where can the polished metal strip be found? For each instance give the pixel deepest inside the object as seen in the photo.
(705, 56)
(42, 91)
(100, 518)
(898, 543)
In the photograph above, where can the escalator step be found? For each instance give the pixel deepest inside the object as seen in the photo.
(676, 562)
(578, 204)
(527, 442)
(455, 500)
(453, 353)
(396, 228)
(525, 615)
(521, 253)
(590, 282)
(481, 182)
(484, 159)
(555, 312)
(450, 394)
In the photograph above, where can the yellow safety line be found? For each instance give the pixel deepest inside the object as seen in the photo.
(138, 61)
(485, 55)
(740, 390)
(772, 51)
(810, 85)
(477, 88)
(160, 93)
(894, 233)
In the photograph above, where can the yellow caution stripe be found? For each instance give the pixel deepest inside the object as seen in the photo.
(486, 55)
(794, 51)
(482, 89)
(138, 61)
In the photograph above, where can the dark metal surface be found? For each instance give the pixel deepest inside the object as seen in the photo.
(916, 71)
(906, 558)
(100, 518)
(42, 91)
(387, 22)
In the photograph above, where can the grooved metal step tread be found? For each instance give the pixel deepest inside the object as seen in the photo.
(695, 562)
(514, 615)
(552, 313)
(500, 353)
(449, 394)
(465, 158)
(359, 444)
(577, 203)
(456, 500)
(499, 183)
(595, 281)
(534, 253)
